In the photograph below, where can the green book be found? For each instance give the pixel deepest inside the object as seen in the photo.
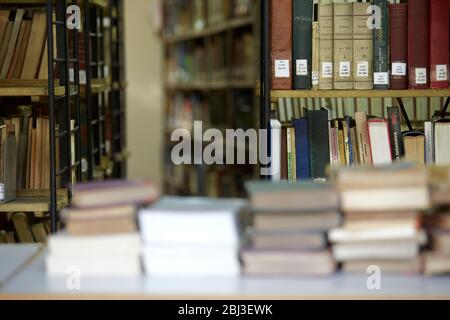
(302, 43)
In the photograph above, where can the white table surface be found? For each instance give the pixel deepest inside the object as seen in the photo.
(13, 257)
(32, 282)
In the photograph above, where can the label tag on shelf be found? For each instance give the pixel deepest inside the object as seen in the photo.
(399, 69)
(381, 78)
(327, 69)
(421, 75)
(441, 72)
(344, 69)
(315, 78)
(282, 69)
(302, 67)
(362, 69)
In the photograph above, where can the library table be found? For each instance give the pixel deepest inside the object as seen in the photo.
(31, 283)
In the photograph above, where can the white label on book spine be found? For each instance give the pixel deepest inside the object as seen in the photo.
(315, 78)
(399, 69)
(327, 69)
(2, 192)
(302, 67)
(441, 72)
(363, 69)
(282, 69)
(344, 69)
(71, 75)
(421, 75)
(381, 78)
(83, 77)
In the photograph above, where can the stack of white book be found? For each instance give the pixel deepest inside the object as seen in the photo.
(192, 237)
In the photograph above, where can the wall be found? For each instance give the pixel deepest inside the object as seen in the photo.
(144, 95)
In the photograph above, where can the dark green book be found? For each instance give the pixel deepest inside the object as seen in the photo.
(381, 49)
(302, 43)
(319, 142)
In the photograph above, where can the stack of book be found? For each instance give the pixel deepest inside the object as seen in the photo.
(290, 223)
(437, 261)
(342, 47)
(192, 237)
(101, 238)
(382, 224)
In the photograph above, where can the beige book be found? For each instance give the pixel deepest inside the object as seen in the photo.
(325, 46)
(12, 43)
(414, 148)
(39, 233)
(20, 222)
(362, 47)
(35, 47)
(4, 18)
(343, 46)
(38, 155)
(315, 55)
(22, 38)
(21, 52)
(5, 42)
(362, 139)
(293, 155)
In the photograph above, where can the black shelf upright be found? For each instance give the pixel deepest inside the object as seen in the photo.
(60, 107)
(117, 94)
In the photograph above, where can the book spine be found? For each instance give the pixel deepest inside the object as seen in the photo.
(281, 44)
(293, 155)
(439, 43)
(318, 139)
(325, 19)
(362, 47)
(418, 44)
(302, 43)
(343, 45)
(302, 149)
(289, 155)
(398, 44)
(315, 56)
(284, 166)
(362, 138)
(380, 49)
(429, 142)
(395, 133)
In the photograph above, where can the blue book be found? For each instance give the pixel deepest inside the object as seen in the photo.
(302, 149)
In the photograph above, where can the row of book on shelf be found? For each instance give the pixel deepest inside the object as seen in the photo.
(395, 217)
(359, 45)
(305, 148)
(181, 16)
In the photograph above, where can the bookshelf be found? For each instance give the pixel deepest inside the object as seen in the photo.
(68, 101)
(210, 67)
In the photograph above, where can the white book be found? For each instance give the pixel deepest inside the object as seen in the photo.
(342, 235)
(275, 145)
(380, 142)
(396, 250)
(429, 142)
(442, 143)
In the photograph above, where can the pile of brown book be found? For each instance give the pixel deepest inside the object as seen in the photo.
(290, 223)
(23, 47)
(437, 261)
(382, 224)
(101, 236)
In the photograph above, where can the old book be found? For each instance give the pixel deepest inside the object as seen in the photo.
(441, 142)
(345, 135)
(8, 163)
(318, 138)
(12, 43)
(22, 228)
(441, 241)
(38, 155)
(343, 45)
(99, 227)
(22, 40)
(362, 47)
(19, 56)
(284, 161)
(315, 64)
(288, 262)
(414, 144)
(355, 149)
(292, 221)
(399, 45)
(291, 240)
(429, 142)
(4, 18)
(408, 266)
(302, 149)
(289, 152)
(334, 145)
(388, 234)
(418, 44)
(439, 43)
(380, 144)
(395, 132)
(381, 48)
(39, 232)
(302, 43)
(35, 47)
(292, 154)
(29, 154)
(326, 30)
(341, 144)
(4, 44)
(285, 196)
(281, 43)
(436, 264)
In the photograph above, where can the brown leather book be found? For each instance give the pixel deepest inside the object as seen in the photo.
(399, 45)
(281, 43)
(439, 42)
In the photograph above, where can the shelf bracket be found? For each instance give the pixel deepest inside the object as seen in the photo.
(405, 114)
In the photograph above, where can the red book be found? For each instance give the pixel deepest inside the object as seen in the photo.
(439, 42)
(281, 43)
(399, 43)
(418, 44)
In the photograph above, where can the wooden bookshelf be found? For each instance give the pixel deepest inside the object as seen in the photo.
(27, 88)
(211, 85)
(359, 93)
(35, 201)
(210, 31)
